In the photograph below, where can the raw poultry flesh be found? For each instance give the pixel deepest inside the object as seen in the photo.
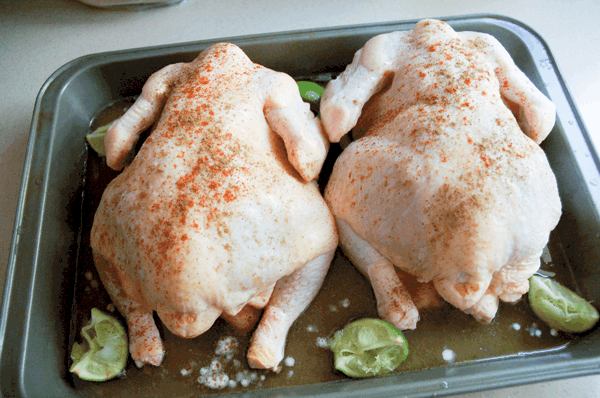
(445, 181)
(219, 214)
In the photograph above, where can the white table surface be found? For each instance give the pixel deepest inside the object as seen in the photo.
(39, 36)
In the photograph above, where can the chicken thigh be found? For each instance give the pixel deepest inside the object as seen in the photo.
(445, 180)
(219, 213)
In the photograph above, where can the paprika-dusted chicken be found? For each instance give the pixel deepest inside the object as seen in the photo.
(443, 181)
(219, 213)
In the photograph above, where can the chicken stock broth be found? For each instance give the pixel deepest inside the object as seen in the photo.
(191, 367)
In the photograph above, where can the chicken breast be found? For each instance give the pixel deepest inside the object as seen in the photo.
(445, 180)
(219, 213)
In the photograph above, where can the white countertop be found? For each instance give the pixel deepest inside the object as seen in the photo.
(39, 36)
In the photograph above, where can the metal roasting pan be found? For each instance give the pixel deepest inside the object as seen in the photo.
(38, 297)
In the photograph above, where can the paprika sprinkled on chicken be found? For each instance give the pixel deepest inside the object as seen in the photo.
(219, 214)
(445, 180)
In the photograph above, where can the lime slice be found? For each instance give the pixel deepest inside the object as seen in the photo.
(104, 353)
(310, 91)
(368, 347)
(559, 307)
(96, 139)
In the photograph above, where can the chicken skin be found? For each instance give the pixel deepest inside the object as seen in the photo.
(219, 214)
(445, 179)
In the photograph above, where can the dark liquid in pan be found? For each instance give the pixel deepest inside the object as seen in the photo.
(444, 335)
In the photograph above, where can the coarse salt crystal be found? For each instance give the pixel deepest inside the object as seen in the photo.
(290, 361)
(534, 331)
(216, 365)
(227, 347)
(322, 342)
(332, 308)
(213, 378)
(448, 355)
(553, 332)
(217, 381)
(186, 372)
(290, 374)
(516, 326)
(345, 303)
(311, 328)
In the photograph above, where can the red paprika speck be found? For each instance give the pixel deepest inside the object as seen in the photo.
(229, 196)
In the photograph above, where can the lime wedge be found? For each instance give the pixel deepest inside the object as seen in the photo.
(96, 139)
(104, 353)
(560, 307)
(310, 91)
(368, 347)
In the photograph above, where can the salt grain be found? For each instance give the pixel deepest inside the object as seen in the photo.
(345, 303)
(448, 355)
(245, 378)
(227, 347)
(516, 326)
(311, 328)
(212, 377)
(290, 374)
(322, 342)
(216, 365)
(290, 361)
(553, 332)
(332, 308)
(186, 371)
(534, 331)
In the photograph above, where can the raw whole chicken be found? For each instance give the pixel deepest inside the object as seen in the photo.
(445, 182)
(219, 214)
